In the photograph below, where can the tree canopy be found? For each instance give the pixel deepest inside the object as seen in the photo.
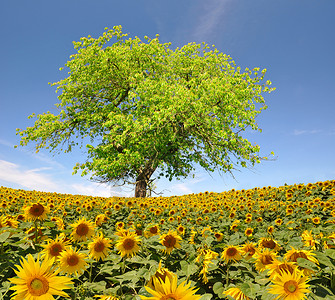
(140, 107)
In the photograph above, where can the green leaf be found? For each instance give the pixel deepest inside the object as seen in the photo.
(267, 296)
(250, 289)
(307, 264)
(188, 268)
(324, 259)
(4, 236)
(206, 297)
(330, 253)
(218, 288)
(50, 224)
(322, 292)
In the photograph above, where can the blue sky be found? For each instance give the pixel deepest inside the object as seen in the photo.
(294, 40)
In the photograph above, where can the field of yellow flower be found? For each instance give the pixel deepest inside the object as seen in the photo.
(263, 243)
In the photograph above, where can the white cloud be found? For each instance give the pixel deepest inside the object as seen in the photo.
(100, 190)
(180, 188)
(30, 179)
(33, 179)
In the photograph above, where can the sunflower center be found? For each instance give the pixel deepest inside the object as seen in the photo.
(55, 249)
(72, 260)
(99, 246)
(296, 255)
(128, 244)
(266, 259)
(269, 244)
(169, 241)
(153, 229)
(231, 252)
(290, 286)
(36, 210)
(251, 251)
(38, 286)
(82, 229)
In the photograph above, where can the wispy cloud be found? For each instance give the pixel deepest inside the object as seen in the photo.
(300, 132)
(209, 17)
(187, 186)
(6, 143)
(30, 179)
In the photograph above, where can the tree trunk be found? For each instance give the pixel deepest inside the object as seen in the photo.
(140, 188)
(142, 181)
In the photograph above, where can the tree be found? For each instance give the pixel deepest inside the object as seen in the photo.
(141, 107)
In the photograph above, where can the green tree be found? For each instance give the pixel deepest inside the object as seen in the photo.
(142, 107)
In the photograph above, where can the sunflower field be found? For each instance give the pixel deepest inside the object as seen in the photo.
(262, 243)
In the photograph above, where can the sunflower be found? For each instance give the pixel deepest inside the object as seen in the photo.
(269, 243)
(290, 286)
(271, 229)
(309, 240)
(9, 221)
(234, 225)
(59, 222)
(99, 247)
(122, 232)
(248, 250)
(170, 241)
(231, 253)
(38, 281)
(35, 211)
(232, 215)
(128, 244)
(206, 231)
(54, 247)
(72, 261)
(100, 219)
(278, 266)
(236, 294)
(151, 231)
(33, 234)
(264, 258)
(279, 222)
(192, 236)
(294, 254)
(249, 231)
(219, 236)
(169, 289)
(316, 220)
(82, 230)
(119, 225)
(161, 274)
(181, 229)
(209, 256)
(259, 219)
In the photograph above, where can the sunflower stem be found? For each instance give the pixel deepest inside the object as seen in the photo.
(36, 231)
(227, 275)
(123, 265)
(90, 274)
